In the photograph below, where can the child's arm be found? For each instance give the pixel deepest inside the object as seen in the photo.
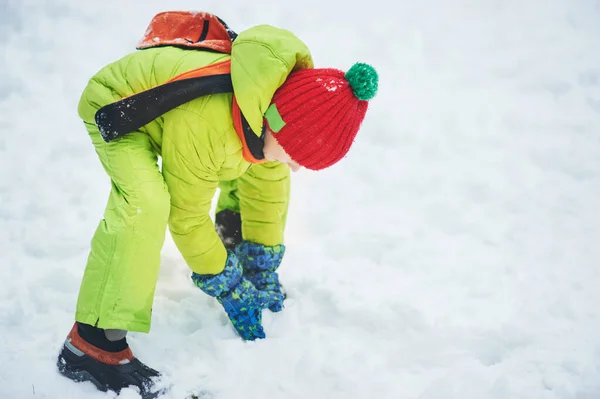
(264, 192)
(191, 160)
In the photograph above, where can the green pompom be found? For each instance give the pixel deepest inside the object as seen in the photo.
(364, 80)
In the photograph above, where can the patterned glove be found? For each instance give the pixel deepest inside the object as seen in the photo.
(260, 264)
(242, 302)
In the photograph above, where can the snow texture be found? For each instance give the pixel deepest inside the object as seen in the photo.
(453, 254)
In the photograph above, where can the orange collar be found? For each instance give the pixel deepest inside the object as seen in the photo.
(252, 145)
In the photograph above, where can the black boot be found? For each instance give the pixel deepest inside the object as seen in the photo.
(229, 227)
(87, 355)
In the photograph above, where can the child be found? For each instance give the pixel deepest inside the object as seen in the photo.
(310, 118)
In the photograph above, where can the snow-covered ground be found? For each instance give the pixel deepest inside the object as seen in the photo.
(453, 254)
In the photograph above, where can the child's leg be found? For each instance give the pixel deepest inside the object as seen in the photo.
(228, 196)
(118, 286)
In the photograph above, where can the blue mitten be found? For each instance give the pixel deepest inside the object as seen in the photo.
(242, 302)
(260, 263)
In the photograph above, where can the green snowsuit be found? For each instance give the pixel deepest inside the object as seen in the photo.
(200, 150)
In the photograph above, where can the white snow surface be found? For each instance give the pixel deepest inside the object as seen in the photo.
(453, 254)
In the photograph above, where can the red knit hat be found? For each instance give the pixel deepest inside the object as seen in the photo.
(316, 113)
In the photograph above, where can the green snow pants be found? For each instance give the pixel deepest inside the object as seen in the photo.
(117, 290)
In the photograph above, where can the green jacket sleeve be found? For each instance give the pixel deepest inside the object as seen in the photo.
(191, 161)
(262, 57)
(264, 192)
